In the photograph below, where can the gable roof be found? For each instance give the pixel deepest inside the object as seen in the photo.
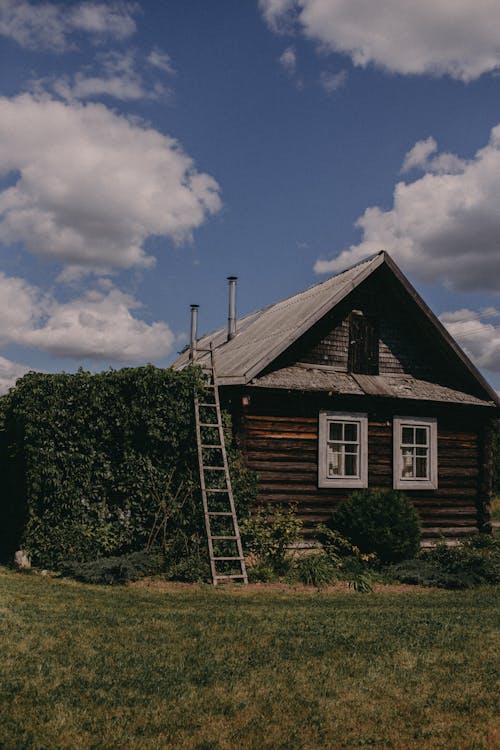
(264, 334)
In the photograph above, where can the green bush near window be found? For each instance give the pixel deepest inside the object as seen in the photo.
(381, 522)
(268, 534)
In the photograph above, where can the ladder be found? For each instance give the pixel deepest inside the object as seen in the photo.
(224, 542)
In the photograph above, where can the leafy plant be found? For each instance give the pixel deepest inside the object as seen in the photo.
(315, 569)
(115, 570)
(476, 561)
(103, 465)
(381, 522)
(269, 533)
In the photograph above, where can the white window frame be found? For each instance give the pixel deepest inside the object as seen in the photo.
(325, 419)
(430, 482)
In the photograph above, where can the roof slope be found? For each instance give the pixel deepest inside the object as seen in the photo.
(266, 333)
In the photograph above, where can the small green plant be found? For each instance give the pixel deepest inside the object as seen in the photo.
(381, 522)
(115, 570)
(335, 545)
(269, 533)
(316, 569)
(361, 582)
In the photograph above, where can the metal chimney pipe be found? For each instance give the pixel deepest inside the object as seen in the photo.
(194, 331)
(231, 318)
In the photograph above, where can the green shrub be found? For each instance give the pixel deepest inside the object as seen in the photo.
(261, 573)
(476, 561)
(315, 569)
(269, 533)
(115, 570)
(381, 522)
(335, 545)
(103, 465)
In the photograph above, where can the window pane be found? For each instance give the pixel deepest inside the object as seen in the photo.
(336, 430)
(407, 465)
(334, 461)
(351, 465)
(421, 435)
(351, 432)
(421, 451)
(421, 467)
(407, 436)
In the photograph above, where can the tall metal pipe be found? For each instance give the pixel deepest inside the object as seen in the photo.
(194, 331)
(231, 318)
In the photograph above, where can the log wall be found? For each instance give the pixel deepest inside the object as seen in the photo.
(282, 447)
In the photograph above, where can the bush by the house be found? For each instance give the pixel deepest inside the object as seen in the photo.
(316, 569)
(269, 533)
(115, 570)
(474, 562)
(381, 522)
(104, 465)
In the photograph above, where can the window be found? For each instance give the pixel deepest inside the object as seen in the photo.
(415, 453)
(343, 450)
(363, 344)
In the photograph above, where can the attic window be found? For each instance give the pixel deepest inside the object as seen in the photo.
(363, 344)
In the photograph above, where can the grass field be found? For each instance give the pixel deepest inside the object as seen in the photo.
(191, 667)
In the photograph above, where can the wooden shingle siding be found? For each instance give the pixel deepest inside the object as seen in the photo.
(283, 450)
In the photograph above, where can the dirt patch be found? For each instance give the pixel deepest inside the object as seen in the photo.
(340, 587)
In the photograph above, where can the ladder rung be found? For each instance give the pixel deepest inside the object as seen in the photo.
(225, 537)
(207, 445)
(222, 578)
(212, 406)
(214, 468)
(215, 489)
(218, 559)
(209, 424)
(219, 513)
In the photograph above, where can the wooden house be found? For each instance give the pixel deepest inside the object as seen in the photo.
(354, 383)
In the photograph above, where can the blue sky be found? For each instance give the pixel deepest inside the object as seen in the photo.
(148, 150)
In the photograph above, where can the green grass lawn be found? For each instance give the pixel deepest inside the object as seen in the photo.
(129, 667)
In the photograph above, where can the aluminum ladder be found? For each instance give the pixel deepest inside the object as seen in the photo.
(227, 562)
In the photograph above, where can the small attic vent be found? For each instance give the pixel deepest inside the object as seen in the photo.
(363, 344)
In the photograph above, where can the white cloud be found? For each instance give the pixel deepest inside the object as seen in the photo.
(93, 186)
(49, 25)
(459, 38)
(116, 74)
(9, 373)
(162, 61)
(288, 60)
(332, 82)
(480, 339)
(99, 325)
(278, 14)
(418, 157)
(444, 226)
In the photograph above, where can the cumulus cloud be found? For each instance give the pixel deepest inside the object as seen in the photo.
(442, 227)
(91, 186)
(478, 333)
(49, 25)
(99, 325)
(458, 38)
(9, 373)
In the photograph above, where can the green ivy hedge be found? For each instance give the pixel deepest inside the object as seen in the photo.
(85, 460)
